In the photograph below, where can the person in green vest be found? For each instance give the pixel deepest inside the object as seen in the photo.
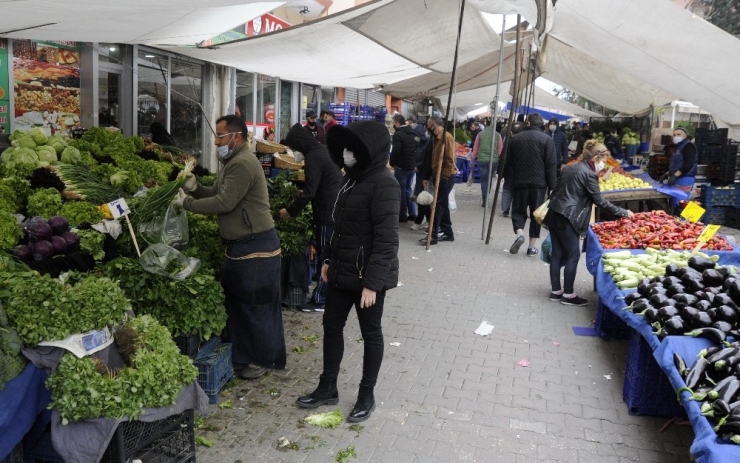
(486, 151)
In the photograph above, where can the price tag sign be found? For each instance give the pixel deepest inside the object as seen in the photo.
(708, 233)
(118, 207)
(692, 212)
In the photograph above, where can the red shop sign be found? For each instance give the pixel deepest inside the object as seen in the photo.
(264, 24)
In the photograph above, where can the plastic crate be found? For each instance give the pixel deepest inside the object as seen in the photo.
(15, 455)
(647, 390)
(718, 136)
(714, 215)
(214, 367)
(709, 152)
(188, 344)
(170, 440)
(43, 451)
(712, 196)
(732, 218)
(610, 326)
(295, 297)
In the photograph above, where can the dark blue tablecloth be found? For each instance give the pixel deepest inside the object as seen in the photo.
(706, 447)
(21, 401)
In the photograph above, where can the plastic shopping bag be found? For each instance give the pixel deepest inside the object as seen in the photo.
(452, 203)
(546, 250)
(172, 229)
(167, 261)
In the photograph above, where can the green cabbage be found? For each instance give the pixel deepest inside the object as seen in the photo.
(24, 142)
(20, 156)
(57, 142)
(71, 155)
(5, 156)
(38, 136)
(46, 154)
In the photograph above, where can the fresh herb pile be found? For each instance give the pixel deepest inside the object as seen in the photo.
(11, 362)
(294, 232)
(10, 232)
(154, 376)
(46, 309)
(78, 212)
(92, 242)
(192, 306)
(46, 203)
(205, 241)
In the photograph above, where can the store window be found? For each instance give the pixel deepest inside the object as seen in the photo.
(110, 53)
(186, 117)
(310, 98)
(153, 95)
(244, 95)
(285, 114)
(109, 108)
(266, 90)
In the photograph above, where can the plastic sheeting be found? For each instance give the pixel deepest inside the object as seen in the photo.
(177, 22)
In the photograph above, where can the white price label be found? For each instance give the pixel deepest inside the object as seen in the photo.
(118, 207)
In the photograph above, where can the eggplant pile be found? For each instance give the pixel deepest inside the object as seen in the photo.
(714, 380)
(700, 299)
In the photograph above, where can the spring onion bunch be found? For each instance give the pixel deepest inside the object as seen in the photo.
(154, 205)
(79, 180)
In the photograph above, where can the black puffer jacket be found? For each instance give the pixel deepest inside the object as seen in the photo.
(363, 251)
(323, 177)
(577, 189)
(405, 145)
(531, 160)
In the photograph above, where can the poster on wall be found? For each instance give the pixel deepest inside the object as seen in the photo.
(46, 85)
(4, 89)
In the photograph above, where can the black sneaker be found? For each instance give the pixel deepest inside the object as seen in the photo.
(556, 297)
(531, 252)
(505, 214)
(517, 244)
(575, 301)
(311, 307)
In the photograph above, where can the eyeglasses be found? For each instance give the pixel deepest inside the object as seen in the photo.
(226, 134)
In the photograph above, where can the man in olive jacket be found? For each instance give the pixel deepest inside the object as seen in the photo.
(323, 179)
(361, 262)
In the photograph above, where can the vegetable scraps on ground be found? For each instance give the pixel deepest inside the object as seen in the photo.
(656, 230)
(326, 420)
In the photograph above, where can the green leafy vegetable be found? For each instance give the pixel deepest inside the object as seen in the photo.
(46, 203)
(203, 442)
(343, 456)
(92, 242)
(226, 404)
(205, 241)
(10, 232)
(77, 212)
(71, 155)
(294, 232)
(155, 375)
(326, 420)
(14, 193)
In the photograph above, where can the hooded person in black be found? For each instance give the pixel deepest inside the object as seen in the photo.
(361, 262)
(323, 179)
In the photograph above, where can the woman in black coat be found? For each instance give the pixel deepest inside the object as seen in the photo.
(568, 216)
(160, 135)
(361, 262)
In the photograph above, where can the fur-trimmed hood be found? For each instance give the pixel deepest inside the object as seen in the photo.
(368, 140)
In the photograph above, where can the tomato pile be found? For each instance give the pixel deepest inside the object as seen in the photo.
(656, 230)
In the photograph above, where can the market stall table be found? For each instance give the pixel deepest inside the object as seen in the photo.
(663, 194)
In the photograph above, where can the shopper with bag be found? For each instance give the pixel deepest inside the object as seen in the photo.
(568, 216)
(443, 152)
(251, 271)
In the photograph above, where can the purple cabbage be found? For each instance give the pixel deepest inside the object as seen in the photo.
(58, 224)
(42, 250)
(22, 251)
(38, 230)
(59, 244)
(72, 240)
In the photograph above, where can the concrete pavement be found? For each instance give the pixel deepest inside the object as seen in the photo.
(446, 394)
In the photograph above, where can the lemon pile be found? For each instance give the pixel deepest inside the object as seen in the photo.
(621, 182)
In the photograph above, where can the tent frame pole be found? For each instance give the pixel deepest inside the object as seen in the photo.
(515, 101)
(494, 116)
(447, 116)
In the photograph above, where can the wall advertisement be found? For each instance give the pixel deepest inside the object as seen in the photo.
(4, 88)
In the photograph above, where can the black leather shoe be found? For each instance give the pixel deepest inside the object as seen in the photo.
(446, 237)
(423, 241)
(325, 394)
(361, 412)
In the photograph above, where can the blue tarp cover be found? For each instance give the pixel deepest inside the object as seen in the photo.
(21, 401)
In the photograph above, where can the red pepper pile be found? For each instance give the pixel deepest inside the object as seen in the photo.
(656, 230)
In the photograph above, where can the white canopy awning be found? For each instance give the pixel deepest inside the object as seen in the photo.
(176, 22)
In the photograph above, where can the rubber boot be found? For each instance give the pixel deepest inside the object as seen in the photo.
(364, 406)
(325, 394)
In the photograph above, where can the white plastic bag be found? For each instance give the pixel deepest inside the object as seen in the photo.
(452, 203)
(172, 229)
(167, 261)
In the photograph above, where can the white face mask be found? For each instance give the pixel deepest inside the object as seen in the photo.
(677, 139)
(553, 128)
(599, 166)
(224, 152)
(349, 158)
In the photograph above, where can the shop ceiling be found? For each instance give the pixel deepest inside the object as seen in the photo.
(629, 58)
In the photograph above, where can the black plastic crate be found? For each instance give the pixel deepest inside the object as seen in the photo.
(170, 440)
(265, 158)
(15, 455)
(713, 196)
(610, 326)
(732, 218)
(215, 367)
(647, 390)
(188, 344)
(718, 136)
(714, 215)
(43, 451)
(710, 152)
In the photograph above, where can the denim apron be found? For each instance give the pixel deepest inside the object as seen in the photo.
(251, 282)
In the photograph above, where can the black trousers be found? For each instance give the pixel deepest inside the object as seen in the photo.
(339, 302)
(442, 216)
(565, 252)
(525, 201)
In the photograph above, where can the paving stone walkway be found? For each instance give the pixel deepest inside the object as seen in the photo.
(446, 394)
